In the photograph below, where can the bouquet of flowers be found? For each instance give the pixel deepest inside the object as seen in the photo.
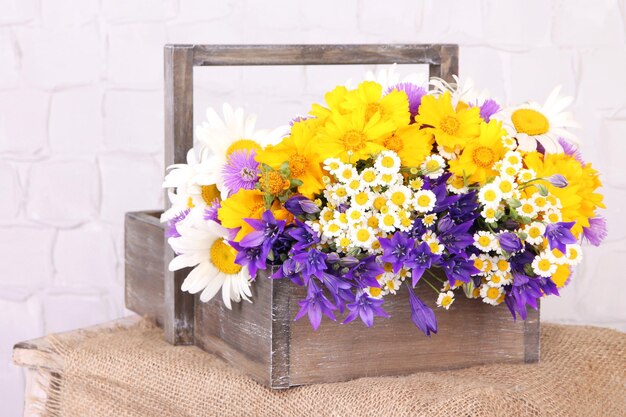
(386, 186)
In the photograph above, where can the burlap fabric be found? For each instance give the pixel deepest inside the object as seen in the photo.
(133, 372)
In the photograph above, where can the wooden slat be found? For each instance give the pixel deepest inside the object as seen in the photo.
(144, 251)
(179, 306)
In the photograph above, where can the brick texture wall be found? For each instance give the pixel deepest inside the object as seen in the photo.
(81, 124)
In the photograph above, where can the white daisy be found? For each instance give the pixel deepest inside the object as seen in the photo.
(543, 266)
(552, 216)
(346, 173)
(354, 215)
(514, 159)
(362, 200)
(445, 299)
(533, 123)
(506, 185)
(526, 175)
(202, 245)
(333, 165)
(400, 196)
(501, 266)
(363, 236)
(433, 166)
(490, 214)
(389, 221)
(491, 295)
(534, 232)
(490, 196)
(574, 254)
(527, 208)
(485, 241)
(424, 201)
(387, 162)
(369, 177)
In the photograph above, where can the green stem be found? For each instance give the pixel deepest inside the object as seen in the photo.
(430, 285)
(435, 276)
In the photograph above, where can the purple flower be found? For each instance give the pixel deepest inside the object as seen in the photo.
(241, 171)
(413, 92)
(313, 262)
(290, 269)
(396, 250)
(299, 205)
(510, 242)
(422, 315)
(488, 109)
(365, 307)
(421, 258)
(315, 304)
(557, 180)
(266, 232)
(454, 237)
(210, 212)
(333, 282)
(525, 291)
(559, 235)
(571, 150)
(171, 230)
(365, 272)
(304, 236)
(596, 232)
(457, 268)
(254, 257)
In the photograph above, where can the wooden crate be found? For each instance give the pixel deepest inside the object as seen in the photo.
(261, 338)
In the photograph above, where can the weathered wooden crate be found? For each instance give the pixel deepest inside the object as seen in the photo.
(262, 338)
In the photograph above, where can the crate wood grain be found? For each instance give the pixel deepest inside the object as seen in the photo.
(261, 338)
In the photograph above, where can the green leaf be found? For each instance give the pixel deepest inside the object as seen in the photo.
(543, 190)
(514, 203)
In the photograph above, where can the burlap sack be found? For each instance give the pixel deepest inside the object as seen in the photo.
(133, 372)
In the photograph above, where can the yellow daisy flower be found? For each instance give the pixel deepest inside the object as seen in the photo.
(451, 127)
(480, 154)
(369, 95)
(411, 143)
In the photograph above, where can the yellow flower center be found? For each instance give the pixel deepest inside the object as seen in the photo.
(506, 186)
(210, 193)
(354, 140)
(534, 232)
(223, 257)
(544, 265)
(391, 285)
(495, 279)
(450, 125)
(432, 165)
(446, 301)
(530, 122)
(479, 264)
(527, 208)
(372, 222)
(541, 201)
(553, 217)
(484, 241)
(490, 195)
(493, 293)
(355, 215)
(387, 162)
(416, 184)
(363, 235)
(379, 202)
(332, 228)
(361, 198)
(388, 220)
(434, 247)
(388, 267)
(327, 216)
(369, 176)
(502, 265)
(393, 143)
(423, 201)
(297, 165)
(457, 182)
(274, 183)
(243, 144)
(398, 198)
(346, 173)
(573, 254)
(483, 157)
(375, 245)
(490, 213)
(344, 242)
(375, 291)
(341, 192)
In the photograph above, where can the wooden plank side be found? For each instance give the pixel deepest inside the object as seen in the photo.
(470, 333)
(241, 336)
(205, 55)
(144, 257)
(179, 306)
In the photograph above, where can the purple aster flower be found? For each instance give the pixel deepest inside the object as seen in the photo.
(420, 259)
(510, 242)
(241, 171)
(315, 304)
(266, 232)
(210, 212)
(171, 230)
(454, 237)
(571, 150)
(299, 205)
(304, 236)
(557, 180)
(396, 250)
(422, 315)
(365, 272)
(596, 232)
(313, 262)
(413, 92)
(365, 307)
(254, 257)
(488, 109)
(457, 268)
(559, 235)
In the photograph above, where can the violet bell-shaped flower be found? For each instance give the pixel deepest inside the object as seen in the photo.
(422, 315)
(396, 250)
(266, 232)
(559, 235)
(421, 258)
(299, 205)
(366, 308)
(314, 305)
(510, 242)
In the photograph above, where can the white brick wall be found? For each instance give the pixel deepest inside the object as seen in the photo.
(81, 124)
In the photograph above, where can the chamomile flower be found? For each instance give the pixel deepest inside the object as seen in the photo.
(389, 179)
(540, 202)
(526, 175)
(333, 229)
(387, 162)
(433, 166)
(326, 214)
(354, 215)
(445, 299)
(556, 256)
(374, 292)
(485, 241)
(509, 143)
(354, 186)
(369, 177)
(448, 154)
(333, 165)
(433, 242)
(406, 223)
(399, 195)
(502, 266)
(490, 214)
(495, 280)
(389, 221)
(514, 159)
(424, 201)
(507, 170)
(574, 254)
(527, 208)
(543, 266)
(490, 196)
(534, 232)
(391, 283)
(484, 263)
(506, 185)
(416, 184)
(343, 243)
(346, 173)
(491, 295)
(429, 220)
(362, 200)
(553, 216)
(363, 236)
(337, 194)
(457, 185)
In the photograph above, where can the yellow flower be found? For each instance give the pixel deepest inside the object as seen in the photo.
(480, 154)
(299, 149)
(411, 143)
(451, 127)
(578, 198)
(561, 275)
(351, 137)
(334, 100)
(369, 95)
